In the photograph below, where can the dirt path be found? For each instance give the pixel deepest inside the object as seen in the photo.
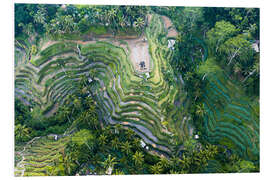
(47, 44)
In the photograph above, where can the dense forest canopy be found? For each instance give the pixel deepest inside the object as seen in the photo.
(201, 97)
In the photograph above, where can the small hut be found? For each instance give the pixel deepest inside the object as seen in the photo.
(171, 43)
(142, 65)
(255, 46)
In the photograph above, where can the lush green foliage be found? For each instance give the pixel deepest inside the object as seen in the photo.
(87, 111)
(66, 19)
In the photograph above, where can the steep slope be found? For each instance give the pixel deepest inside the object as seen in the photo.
(143, 104)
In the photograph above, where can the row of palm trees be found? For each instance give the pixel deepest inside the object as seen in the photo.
(188, 163)
(72, 19)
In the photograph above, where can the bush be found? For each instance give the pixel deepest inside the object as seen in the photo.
(98, 30)
(57, 129)
(151, 159)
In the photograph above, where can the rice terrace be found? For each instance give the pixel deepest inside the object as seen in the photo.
(115, 90)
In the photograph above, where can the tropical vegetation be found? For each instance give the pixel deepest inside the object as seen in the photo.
(83, 108)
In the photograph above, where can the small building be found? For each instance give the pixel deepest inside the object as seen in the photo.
(255, 46)
(143, 144)
(147, 75)
(171, 43)
(142, 65)
(90, 80)
(109, 170)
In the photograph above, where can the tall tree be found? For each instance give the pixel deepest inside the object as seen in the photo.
(219, 34)
(109, 163)
(138, 158)
(126, 147)
(22, 133)
(156, 169)
(237, 49)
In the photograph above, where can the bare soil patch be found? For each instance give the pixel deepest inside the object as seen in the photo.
(172, 33)
(168, 25)
(139, 53)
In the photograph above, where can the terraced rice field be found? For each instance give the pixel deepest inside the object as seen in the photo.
(124, 96)
(144, 104)
(230, 118)
(39, 157)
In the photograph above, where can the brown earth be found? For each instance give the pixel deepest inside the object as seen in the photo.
(168, 25)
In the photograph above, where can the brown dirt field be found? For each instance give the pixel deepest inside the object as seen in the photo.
(139, 52)
(172, 33)
(167, 22)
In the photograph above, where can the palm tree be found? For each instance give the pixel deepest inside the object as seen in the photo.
(90, 102)
(68, 23)
(175, 162)
(164, 163)
(102, 140)
(39, 17)
(139, 23)
(118, 128)
(77, 103)
(200, 110)
(197, 93)
(94, 122)
(130, 134)
(188, 76)
(66, 112)
(173, 172)
(110, 16)
(83, 80)
(138, 158)
(132, 13)
(92, 73)
(28, 29)
(237, 68)
(156, 169)
(118, 172)
(186, 162)
(115, 143)
(212, 150)
(122, 21)
(21, 132)
(56, 25)
(137, 143)
(126, 147)
(109, 163)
